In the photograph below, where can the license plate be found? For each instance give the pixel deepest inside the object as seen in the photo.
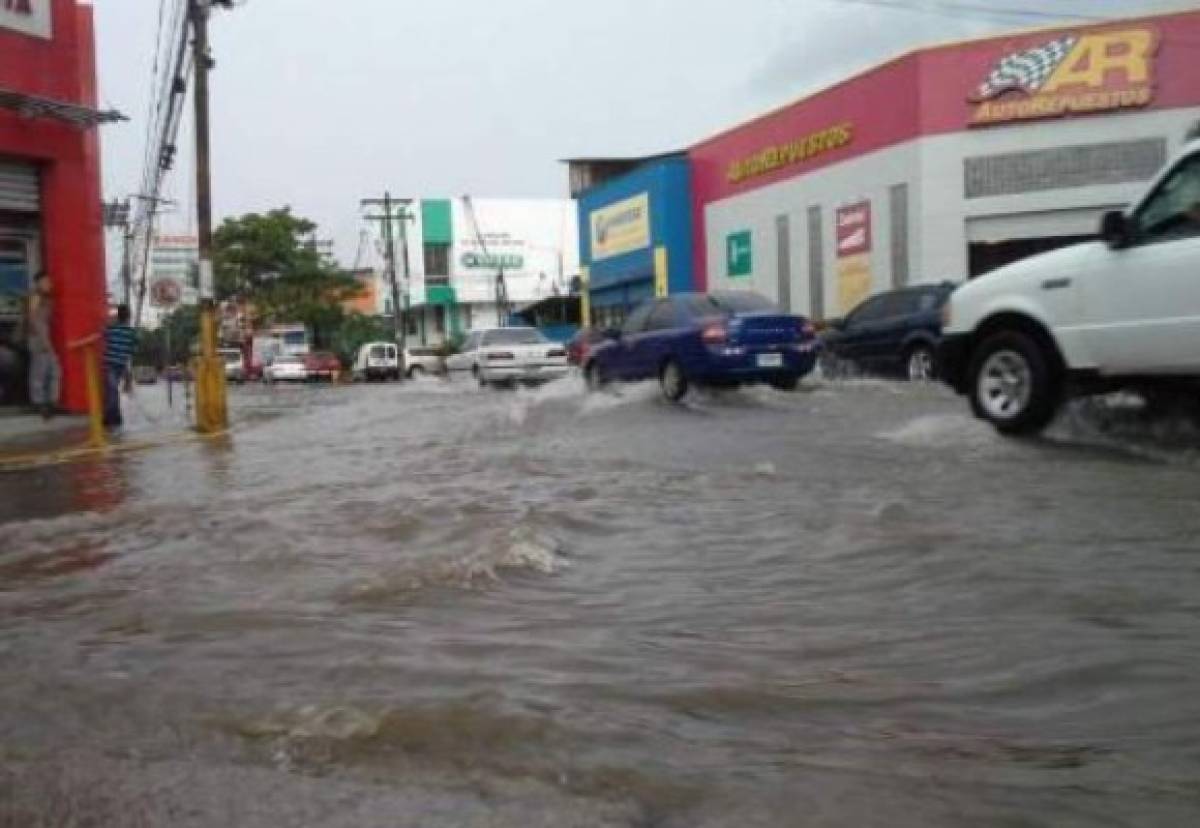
(770, 360)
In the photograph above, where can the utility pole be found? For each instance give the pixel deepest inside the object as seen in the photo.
(211, 412)
(399, 311)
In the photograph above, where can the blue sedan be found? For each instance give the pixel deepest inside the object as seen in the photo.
(720, 338)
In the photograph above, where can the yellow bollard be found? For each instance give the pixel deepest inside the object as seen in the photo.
(91, 367)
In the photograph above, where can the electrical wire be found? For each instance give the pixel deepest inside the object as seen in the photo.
(954, 9)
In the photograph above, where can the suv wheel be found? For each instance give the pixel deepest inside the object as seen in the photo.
(674, 384)
(920, 364)
(416, 371)
(1013, 385)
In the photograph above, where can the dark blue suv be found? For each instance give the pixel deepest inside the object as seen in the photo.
(719, 338)
(890, 333)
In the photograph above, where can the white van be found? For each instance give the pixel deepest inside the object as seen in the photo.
(376, 361)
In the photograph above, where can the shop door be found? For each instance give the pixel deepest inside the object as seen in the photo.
(19, 260)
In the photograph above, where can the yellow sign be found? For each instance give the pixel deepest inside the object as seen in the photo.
(1072, 74)
(621, 227)
(793, 152)
(854, 281)
(660, 272)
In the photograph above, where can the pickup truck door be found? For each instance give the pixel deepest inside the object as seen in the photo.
(463, 360)
(1142, 305)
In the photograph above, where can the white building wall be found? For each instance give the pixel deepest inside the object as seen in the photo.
(942, 220)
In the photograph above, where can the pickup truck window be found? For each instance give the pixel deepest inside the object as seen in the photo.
(1173, 211)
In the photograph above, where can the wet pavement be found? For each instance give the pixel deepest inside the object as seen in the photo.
(431, 604)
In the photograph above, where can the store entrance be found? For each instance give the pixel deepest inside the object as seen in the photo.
(984, 257)
(19, 261)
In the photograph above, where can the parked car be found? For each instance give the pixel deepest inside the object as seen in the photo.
(582, 343)
(892, 333)
(376, 361)
(1123, 311)
(235, 364)
(178, 373)
(145, 374)
(719, 338)
(286, 368)
(420, 360)
(507, 355)
(322, 365)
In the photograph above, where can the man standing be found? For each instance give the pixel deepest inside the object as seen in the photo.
(120, 340)
(45, 374)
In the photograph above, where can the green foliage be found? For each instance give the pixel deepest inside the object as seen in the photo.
(171, 342)
(269, 260)
(357, 330)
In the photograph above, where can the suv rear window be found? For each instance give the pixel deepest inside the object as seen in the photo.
(379, 352)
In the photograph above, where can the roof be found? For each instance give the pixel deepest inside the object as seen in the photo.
(628, 159)
(31, 106)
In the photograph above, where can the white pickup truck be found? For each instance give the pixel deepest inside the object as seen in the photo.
(1116, 313)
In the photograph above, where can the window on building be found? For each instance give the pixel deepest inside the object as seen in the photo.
(411, 322)
(437, 261)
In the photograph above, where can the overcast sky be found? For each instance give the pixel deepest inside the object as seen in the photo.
(318, 103)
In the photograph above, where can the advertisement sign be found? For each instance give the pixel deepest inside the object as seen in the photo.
(739, 254)
(621, 227)
(853, 234)
(791, 153)
(31, 17)
(1070, 74)
(165, 293)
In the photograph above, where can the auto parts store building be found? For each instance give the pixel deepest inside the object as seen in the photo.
(944, 163)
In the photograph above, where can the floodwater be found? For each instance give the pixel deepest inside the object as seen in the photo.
(431, 604)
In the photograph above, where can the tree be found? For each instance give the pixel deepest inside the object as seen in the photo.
(271, 262)
(357, 330)
(171, 342)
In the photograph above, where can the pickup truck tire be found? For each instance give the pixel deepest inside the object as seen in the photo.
(1013, 384)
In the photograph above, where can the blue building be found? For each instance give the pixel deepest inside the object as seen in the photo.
(635, 232)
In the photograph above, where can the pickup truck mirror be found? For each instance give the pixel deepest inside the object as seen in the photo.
(1114, 229)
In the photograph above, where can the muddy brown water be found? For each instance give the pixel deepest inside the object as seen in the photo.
(433, 605)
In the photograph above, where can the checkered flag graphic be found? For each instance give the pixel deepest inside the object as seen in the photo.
(1026, 70)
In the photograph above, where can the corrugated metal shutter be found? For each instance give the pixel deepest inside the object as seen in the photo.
(19, 190)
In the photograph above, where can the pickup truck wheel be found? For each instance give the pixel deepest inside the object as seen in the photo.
(478, 375)
(674, 384)
(921, 364)
(1012, 384)
(416, 371)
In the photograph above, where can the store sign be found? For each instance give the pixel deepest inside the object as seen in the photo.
(1072, 74)
(739, 254)
(492, 261)
(31, 17)
(621, 227)
(854, 242)
(165, 293)
(791, 153)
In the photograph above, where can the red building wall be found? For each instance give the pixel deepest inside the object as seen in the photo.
(63, 69)
(926, 92)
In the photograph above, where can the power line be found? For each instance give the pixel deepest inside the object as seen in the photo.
(954, 9)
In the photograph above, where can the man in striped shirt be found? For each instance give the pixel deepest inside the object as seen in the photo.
(120, 340)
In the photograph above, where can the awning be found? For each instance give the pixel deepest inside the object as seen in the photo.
(31, 106)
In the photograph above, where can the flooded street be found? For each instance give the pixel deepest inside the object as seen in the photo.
(429, 604)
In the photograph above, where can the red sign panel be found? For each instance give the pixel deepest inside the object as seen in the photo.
(854, 229)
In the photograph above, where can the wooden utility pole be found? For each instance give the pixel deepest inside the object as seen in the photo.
(401, 214)
(211, 412)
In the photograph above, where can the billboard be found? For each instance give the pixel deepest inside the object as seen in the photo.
(621, 227)
(853, 234)
(31, 17)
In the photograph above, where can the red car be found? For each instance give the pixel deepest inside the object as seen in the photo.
(322, 365)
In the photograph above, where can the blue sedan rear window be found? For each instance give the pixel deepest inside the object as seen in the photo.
(730, 301)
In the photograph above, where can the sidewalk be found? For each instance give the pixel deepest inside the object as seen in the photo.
(22, 432)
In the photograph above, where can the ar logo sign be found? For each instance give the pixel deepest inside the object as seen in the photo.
(1072, 74)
